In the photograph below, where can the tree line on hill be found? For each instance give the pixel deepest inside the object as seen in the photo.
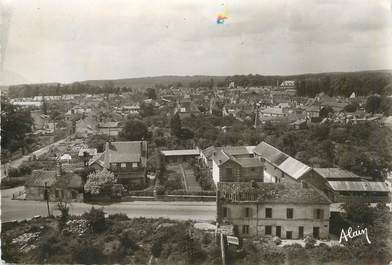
(334, 84)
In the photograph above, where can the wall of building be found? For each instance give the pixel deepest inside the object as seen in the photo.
(303, 215)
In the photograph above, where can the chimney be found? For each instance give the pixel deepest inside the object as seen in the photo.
(59, 169)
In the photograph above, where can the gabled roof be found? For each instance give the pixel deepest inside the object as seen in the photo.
(289, 165)
(366, 186)
(98, 158)
(271, 193)
(334, 173)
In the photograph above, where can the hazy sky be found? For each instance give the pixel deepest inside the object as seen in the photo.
(70, 40)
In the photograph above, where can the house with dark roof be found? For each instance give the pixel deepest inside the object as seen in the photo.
(236, 163)
(289, 211)
(278, 166)
(235, 151)
(60, 185)
(127, 160)
(186, 109)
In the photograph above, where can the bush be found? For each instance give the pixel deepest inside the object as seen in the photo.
(64, 210)
(309, 241)
(160, 190)
(95, 219)
(156, 248)
(118, 217)
(85, 253)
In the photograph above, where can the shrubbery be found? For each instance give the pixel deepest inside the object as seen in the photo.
(96, 219)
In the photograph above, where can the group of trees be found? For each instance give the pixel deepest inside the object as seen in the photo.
(379, 104)
(361, 148)
(56, 89)
(344, 84)
(16, 123)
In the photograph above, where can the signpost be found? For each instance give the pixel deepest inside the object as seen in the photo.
(233, 240)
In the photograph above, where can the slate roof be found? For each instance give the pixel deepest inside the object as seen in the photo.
(366, 186)
(39, 177)
(229, 150)
(249, 162)
(282, 193)
(289, 165)
(336, 173)
(66, 180)
(123, 152)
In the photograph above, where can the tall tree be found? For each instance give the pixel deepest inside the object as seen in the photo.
(134, 130)
(175, 125)
(15, 124)
(373, 104)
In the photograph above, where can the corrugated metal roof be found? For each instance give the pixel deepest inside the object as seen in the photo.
(367, 186)
(284, 162)
(294, 168)
(184, 152)
(329, 173)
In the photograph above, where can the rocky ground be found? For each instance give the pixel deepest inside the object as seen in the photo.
(120, 240)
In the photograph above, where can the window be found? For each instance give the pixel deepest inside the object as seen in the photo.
(114, 165)
(225, 211)
(268, 230)
(245, 229)
(316, 232)
(235, 230)
(268, 212)
(319, 214)
(248, 212)
(301, 232)
(278, 231)
(134, 165)
(123, 165)
(290, 213)
(289, 235)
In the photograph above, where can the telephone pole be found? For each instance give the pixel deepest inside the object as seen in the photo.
(46, 197)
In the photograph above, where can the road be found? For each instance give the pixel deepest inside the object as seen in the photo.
(16, 163)
(20, 209)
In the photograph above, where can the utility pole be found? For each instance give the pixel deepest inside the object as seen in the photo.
(258, 105)
(46, 197)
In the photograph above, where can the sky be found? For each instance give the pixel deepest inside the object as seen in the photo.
(73, 40)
